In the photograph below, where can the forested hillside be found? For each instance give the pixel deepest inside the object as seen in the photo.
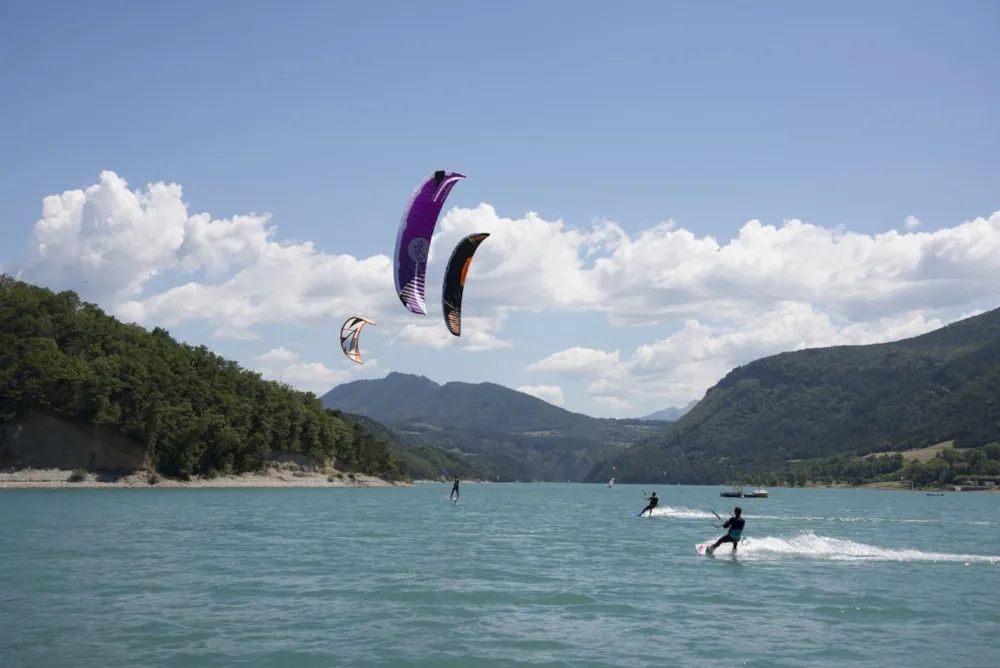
(944, 385)
(422, 462)
(507, 434)
(193, 411)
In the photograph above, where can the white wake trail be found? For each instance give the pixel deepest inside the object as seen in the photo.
(812, 546)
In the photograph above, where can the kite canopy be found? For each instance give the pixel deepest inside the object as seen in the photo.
(413, 240)
(454, 280)
(350, 332)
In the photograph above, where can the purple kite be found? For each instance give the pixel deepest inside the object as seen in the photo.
(413, 240)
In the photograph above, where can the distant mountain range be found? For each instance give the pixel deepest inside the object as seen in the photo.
(506, 434)
(940, 386)
(944, 385)
(670, 414)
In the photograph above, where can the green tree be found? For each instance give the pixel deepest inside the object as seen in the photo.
(193, 411)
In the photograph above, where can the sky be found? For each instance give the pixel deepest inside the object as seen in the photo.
(671, 189)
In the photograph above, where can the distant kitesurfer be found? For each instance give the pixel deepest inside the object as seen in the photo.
(454, 489)
(652, 504)
(735, 526)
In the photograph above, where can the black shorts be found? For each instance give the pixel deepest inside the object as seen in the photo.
(728, 539)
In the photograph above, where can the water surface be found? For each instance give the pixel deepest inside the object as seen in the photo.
(514, 575)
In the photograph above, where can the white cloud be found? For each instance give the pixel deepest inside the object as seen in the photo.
(108, 242)
(280, 364)
(117, 239)
(478, 335)
(279, 355)
(576, 360)
(313, 377)
(769, 288)
(550, 393)
(614, 404)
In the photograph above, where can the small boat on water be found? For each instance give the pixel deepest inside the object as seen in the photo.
(737, 493)
(934, 493)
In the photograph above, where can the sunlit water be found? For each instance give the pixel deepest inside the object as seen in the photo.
(514, 575)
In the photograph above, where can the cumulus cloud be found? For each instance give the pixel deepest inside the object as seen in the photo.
(613, 404)
(280, 364)
(144, 256)
(313, 377)
(478, 335)
(550, 393)
(117, 240)
(577, 361)
(278, 355)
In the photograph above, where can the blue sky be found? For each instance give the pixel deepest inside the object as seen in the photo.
(325, 116)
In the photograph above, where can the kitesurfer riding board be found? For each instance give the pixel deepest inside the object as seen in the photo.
(735, 525)
(653, 501)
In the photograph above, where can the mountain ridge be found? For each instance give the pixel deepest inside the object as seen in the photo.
(509, 434)
(820, 402)
(671, 413)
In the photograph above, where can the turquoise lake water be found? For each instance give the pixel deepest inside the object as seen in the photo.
(514, 575)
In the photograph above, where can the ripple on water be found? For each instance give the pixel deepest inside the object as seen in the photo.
(515, 575)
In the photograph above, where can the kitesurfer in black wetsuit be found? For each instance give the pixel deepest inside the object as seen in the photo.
(454, 489)
(735, 526)
(652, 504)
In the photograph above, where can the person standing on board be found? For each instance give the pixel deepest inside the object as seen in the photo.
(735, 525)
(649, 506)
(454, 489)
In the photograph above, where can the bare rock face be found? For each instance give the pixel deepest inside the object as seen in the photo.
(43, 441)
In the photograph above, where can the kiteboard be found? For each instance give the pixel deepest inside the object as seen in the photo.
(702, 549)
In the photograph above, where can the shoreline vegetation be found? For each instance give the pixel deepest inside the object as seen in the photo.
(276, 476)
(942, 466)
(288, 477)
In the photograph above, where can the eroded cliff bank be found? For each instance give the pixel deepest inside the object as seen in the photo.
(42, 451)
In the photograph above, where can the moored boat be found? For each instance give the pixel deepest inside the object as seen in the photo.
(736, 492)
